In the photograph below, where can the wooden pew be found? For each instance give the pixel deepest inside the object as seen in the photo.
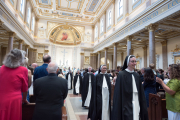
(157, 107)
(112, 93)
(28, 110)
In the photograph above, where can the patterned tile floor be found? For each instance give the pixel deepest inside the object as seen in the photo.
(73, 107)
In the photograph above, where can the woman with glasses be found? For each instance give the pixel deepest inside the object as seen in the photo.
(100, 107)
(129, 101)
(172, 89)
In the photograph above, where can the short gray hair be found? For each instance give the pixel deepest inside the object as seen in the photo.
(14, 58)
(89, 67)
(52, 67)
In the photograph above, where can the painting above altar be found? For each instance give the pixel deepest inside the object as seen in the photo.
(65, 35)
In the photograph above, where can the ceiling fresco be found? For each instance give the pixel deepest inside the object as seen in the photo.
(87, 11)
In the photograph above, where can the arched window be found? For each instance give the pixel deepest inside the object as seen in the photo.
(102, 25)
(28, 15)
(134, 1)
(96, 32)
(22, 6)
(109, 18)
(32, 25)
(120, 8)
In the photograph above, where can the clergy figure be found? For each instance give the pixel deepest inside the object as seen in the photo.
(69, 78)
(87, 87)
(77, 84)
(100, 105)
(129, 101)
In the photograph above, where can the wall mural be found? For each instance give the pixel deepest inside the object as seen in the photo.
(66, 35)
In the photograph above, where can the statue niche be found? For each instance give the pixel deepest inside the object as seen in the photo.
(65, 35)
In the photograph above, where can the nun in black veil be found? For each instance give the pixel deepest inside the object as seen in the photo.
(100, 107)
(129, 101)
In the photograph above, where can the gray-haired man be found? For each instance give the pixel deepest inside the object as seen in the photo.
(50, 92)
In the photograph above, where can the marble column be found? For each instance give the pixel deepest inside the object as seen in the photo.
(10, 41)
(126, 12)
(99, 59)
(105, 22)
(82, 61)
(46, 52)
(20, 44)
(25, 12)
(115, 56)
(122, 58)
(132, 51)
(27, 49)
(36, 27)
(93, 34)
(164, 54)
(152, 55)
(35, 55)
(145, 56)
(129, 40)
(99, 34)
(93, 60)
(4, 52)
(114, 13)
(30, 55)
(105, 56)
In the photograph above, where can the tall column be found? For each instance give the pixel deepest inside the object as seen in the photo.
(27, 49)
(122, 58)
(164, 54)
(126, 12)
(99, 29)
(152, 54)
(35, 55)
(145, 55)
(82, 61)
(25, 12)
(99, 58)
(4, 52)
(20, 44)
(10, 42)
(105, 56)
(46, 52)
(115, 56)
(105, 22)
(114, 13)
(36, 27)
(93, 34)
(93, 60)
(30, 56)
(132, 51)
(129, 39)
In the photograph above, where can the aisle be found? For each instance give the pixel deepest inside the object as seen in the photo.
(73, 105)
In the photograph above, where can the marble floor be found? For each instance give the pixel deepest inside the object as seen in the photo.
(74, 107)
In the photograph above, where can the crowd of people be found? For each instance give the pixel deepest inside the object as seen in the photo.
(51, 84)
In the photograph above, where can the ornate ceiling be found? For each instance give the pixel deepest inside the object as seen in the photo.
(83, 11)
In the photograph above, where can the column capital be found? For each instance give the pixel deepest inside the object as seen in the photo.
(151, 27)
(113, 1)
(105, 12)
(27, 46)
(12, 34)
(82, 54)
(99, 52)
(115, 44)
(34, 50)
(1, 22)
(46, 51)
(20, 41)
(37, 19)
(92, 54)
(106, 48)
(144, 47)
(93, 26)
(164, 43)
(129, 38)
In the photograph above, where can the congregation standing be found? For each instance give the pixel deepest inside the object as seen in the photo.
(51, 84)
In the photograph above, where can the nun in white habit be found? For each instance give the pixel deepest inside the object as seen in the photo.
(129, 101)
(100, 105)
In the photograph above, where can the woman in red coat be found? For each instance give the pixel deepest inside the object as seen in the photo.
(13, 81)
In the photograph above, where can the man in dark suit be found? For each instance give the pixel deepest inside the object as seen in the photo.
(50, 92)
(41, 70)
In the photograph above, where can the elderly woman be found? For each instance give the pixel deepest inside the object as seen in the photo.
(172, 92)
(14, 81)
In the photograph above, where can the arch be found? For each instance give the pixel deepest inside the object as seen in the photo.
(65, 35)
